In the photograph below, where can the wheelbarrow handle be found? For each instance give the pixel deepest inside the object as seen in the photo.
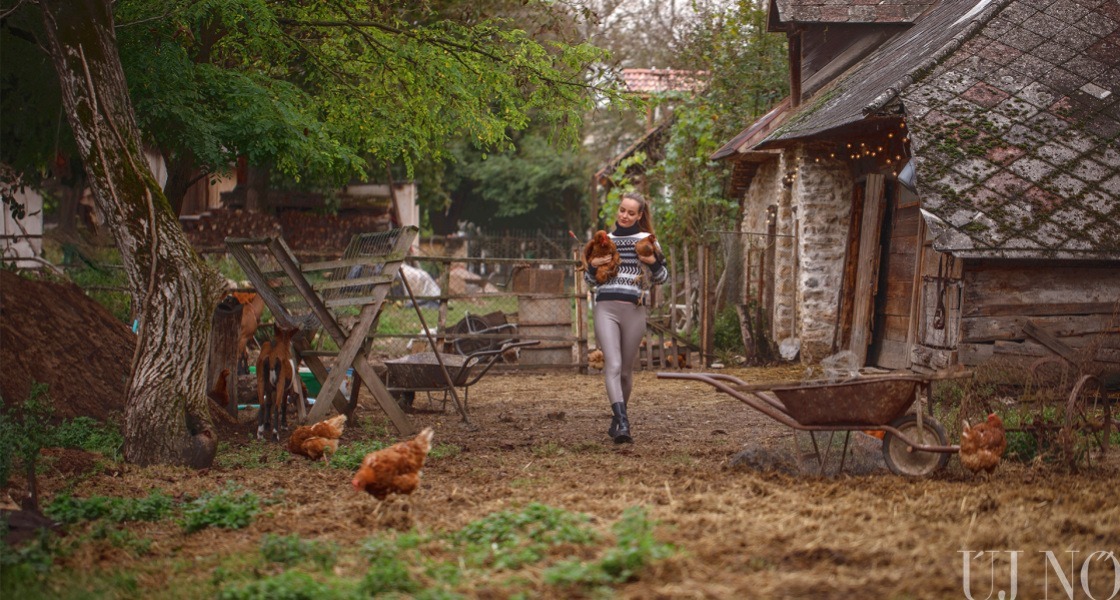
(475, 358)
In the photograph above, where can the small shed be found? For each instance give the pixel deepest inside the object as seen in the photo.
(942, 185)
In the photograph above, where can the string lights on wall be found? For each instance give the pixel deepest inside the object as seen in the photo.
(888, 154)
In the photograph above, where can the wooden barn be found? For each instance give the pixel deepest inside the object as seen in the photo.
(943, 184)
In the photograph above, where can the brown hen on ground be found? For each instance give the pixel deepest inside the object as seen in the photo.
(394, 470)
(982, 445)
(319, 440)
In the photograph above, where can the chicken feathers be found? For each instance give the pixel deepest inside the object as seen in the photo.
(599, 246)
(319, 440)
(394, 470)
(647, 247)
(982, 445)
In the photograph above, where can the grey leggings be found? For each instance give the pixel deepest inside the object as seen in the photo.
(619, 327)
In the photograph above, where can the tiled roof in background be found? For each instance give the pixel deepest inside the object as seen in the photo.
(877, 79)
(1016, 134)
(648, 81)
(861, 11)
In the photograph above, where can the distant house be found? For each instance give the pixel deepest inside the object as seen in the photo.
(943, 184)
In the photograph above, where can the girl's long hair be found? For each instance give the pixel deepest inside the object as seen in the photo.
(645, 220)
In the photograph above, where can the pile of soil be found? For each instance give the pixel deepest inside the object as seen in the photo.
(53, 333)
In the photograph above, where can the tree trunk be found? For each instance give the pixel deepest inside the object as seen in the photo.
(173, 292)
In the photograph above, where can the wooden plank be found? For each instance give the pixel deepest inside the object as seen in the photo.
(1088, 289)
(892, 354)
(976, 308)
(1050, 340)
(975, 354)
(905, 222)
(867, 268)
(991, 328)
(1037, 350)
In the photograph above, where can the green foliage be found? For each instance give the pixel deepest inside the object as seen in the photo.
(68, 509)
(444, 451)
(24, 568)
(314, 90)
(387, 574)
(728, 337)
(90, 435)
(24, 433)
(635, 549)
(508, 540)
(226, 509)
(533, 185)
(289, 585)
(349, 456)
(747, 74)
(290, 550)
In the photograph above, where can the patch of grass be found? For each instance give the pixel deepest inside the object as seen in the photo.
(387, 574)
(444, 451)
(90, 435)
(24, 431)
(548, 449)
(349, 456)
(507, 540)
(68, 509)
(256, 454)
(290, 550)
(634, 550)
(289, 585)
(23, 569)
(229, 508)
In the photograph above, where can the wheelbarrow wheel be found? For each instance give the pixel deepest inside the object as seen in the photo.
(897, 453)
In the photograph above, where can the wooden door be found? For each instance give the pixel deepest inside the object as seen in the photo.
(895, 289)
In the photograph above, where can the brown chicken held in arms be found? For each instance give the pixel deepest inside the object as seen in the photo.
(982, 445)
(319, 440)
(647, 247)
(599, 246)
(394, 470)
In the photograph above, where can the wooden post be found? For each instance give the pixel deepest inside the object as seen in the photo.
(226, 329)
(867, 268)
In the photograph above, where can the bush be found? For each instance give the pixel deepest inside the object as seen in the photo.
(290, 549)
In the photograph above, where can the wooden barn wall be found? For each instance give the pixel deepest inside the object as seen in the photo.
(1021, 311)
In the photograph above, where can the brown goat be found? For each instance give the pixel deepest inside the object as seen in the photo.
(252, 306)
(277, 376)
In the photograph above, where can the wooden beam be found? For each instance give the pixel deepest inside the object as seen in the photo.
(1051, 341)
(867, 267)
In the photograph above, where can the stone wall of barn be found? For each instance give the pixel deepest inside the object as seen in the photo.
(822, 199)
(811, 208)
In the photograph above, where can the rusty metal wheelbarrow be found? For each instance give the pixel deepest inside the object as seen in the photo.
(422, 372)
(914, 444)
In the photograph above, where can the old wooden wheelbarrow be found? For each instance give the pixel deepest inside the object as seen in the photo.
(424, 372)
(914, 444)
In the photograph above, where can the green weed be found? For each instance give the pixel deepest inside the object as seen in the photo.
(635, 549)
(387, 574)
(227, 509)
(68, 509)
(23, 569)
(289, 585)
(90, 435)
(349, 456)
(444, 451)
(508, 540)
(290, 550)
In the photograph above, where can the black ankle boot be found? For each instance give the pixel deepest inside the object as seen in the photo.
(613, 429)
(622, 432)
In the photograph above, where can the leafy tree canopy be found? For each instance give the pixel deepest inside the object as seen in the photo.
(748, 74)
(317, 89)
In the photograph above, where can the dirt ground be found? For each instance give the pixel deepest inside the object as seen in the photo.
(723, 482)
(720, 479)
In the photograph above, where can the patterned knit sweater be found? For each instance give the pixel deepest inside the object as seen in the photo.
(634, 277)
